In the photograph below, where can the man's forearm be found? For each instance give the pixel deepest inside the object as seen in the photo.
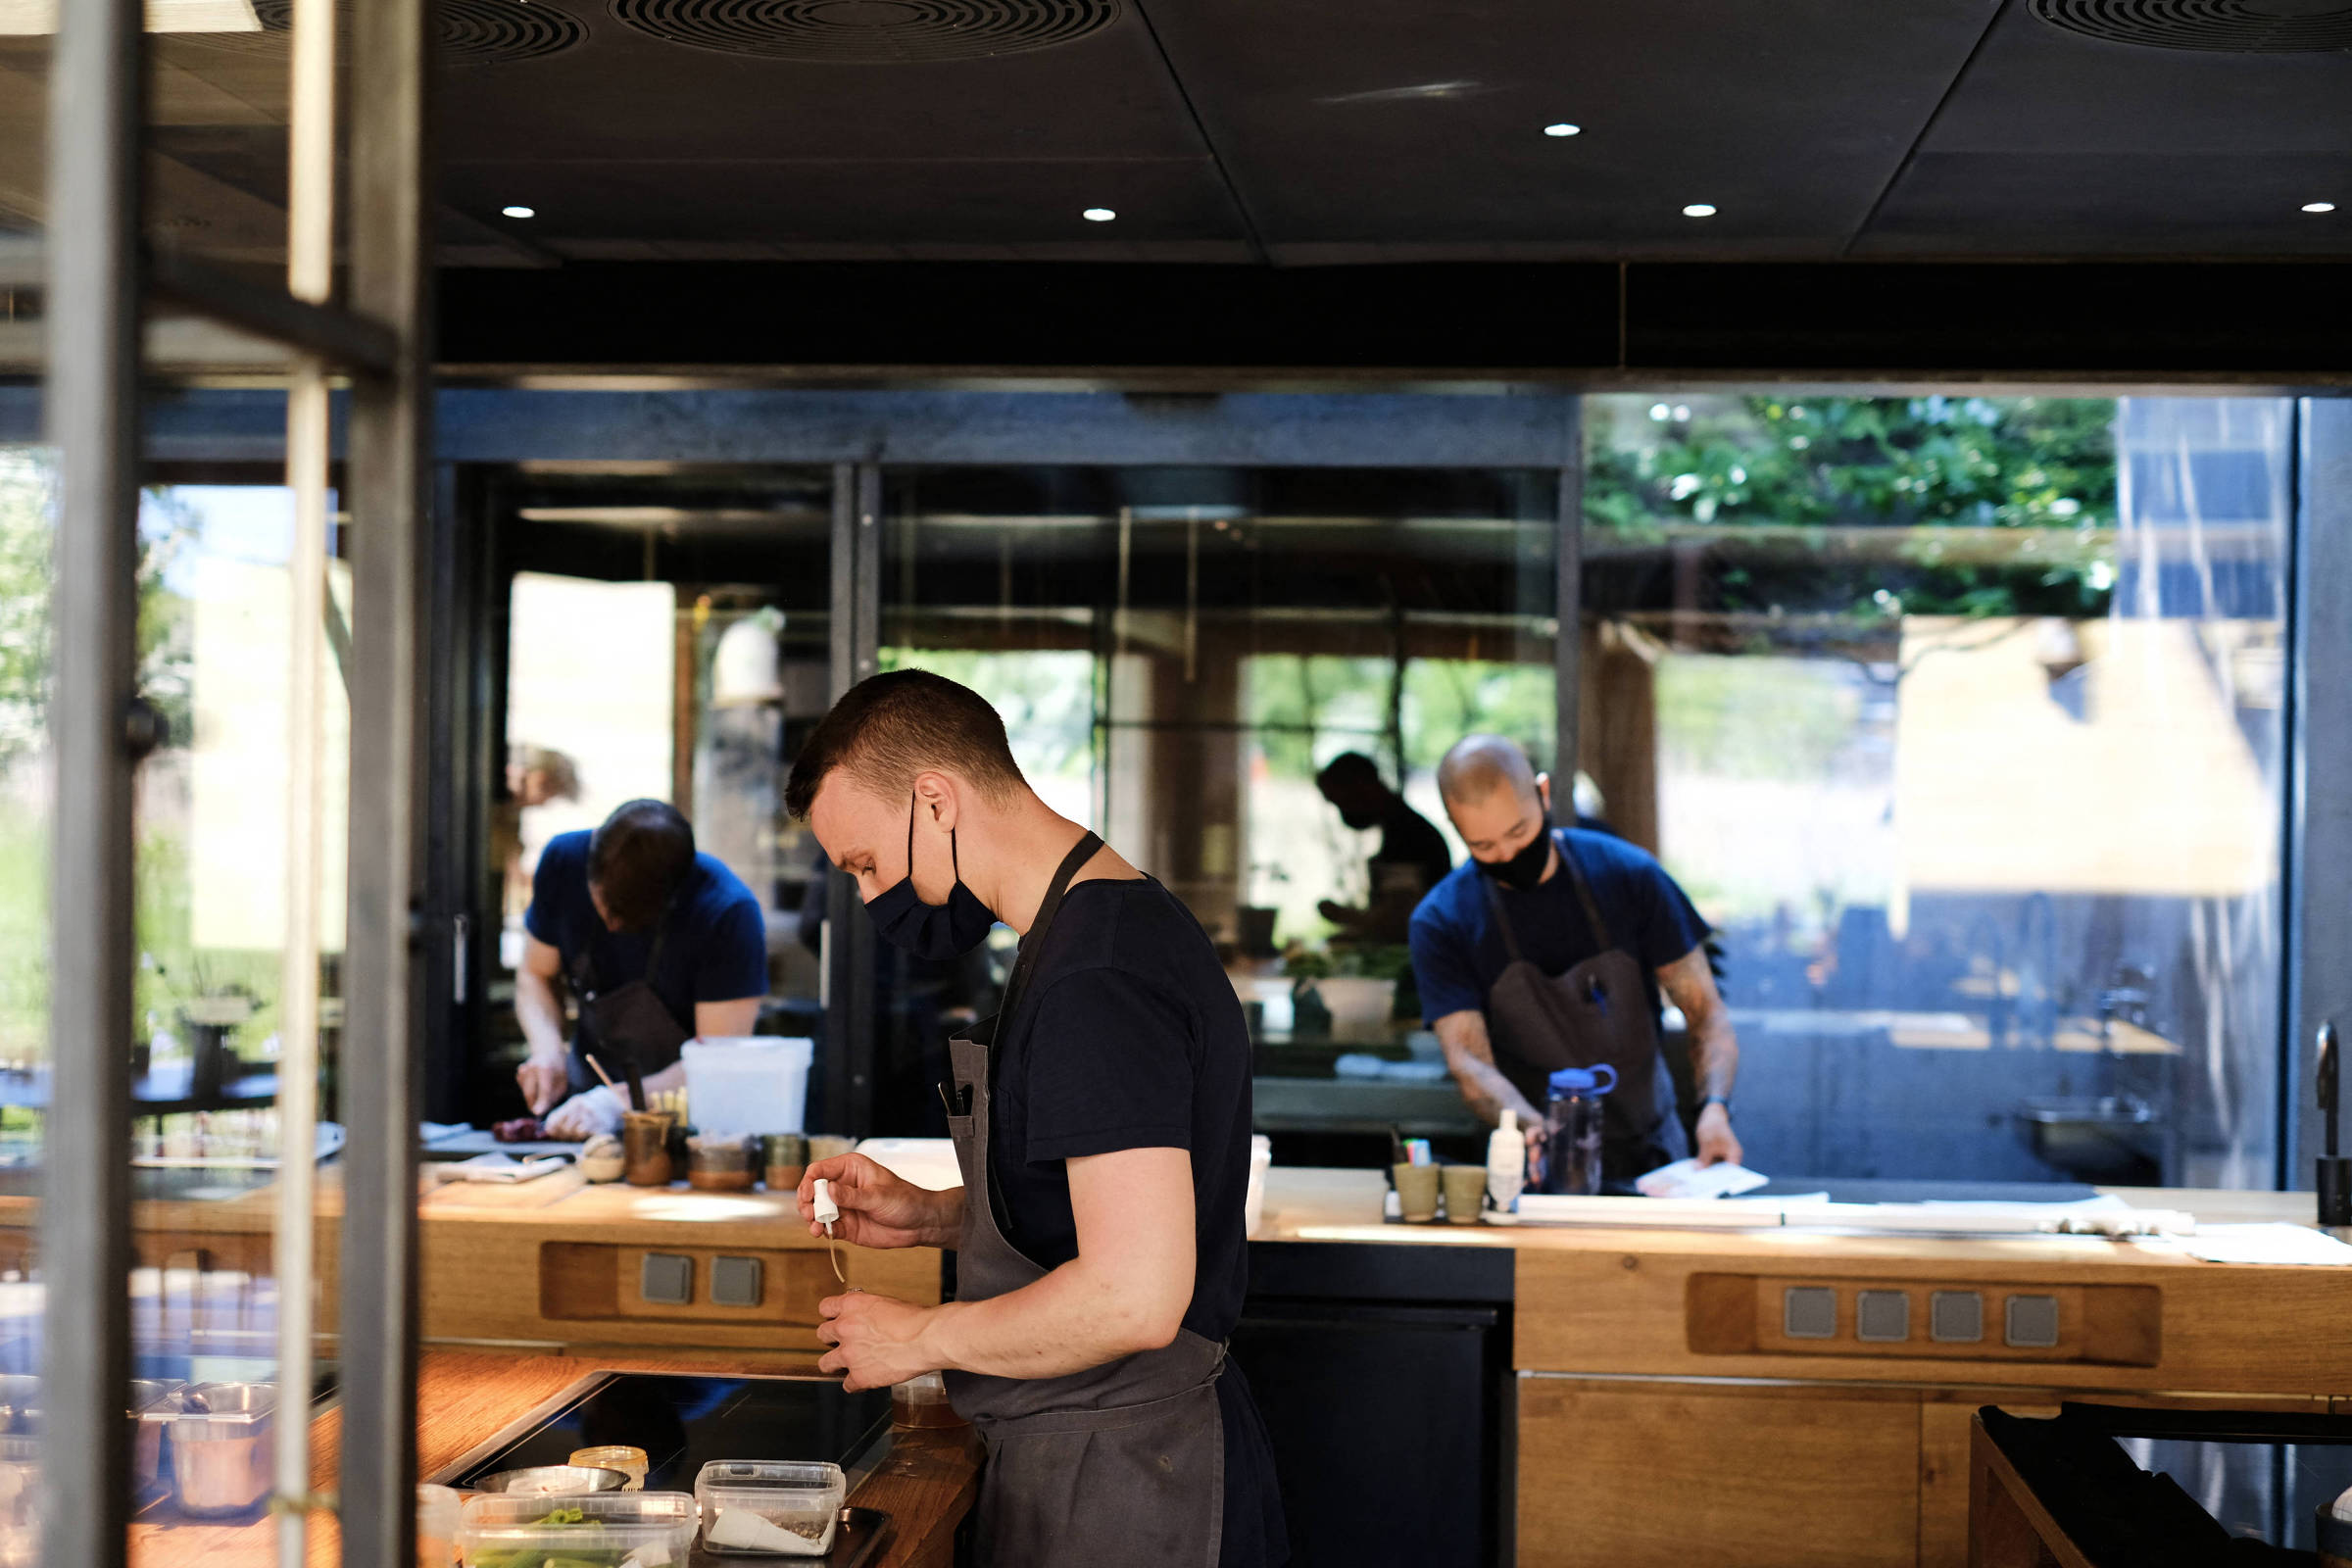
(1715, 1055)
(1488, 1092)
(540, 1014)
(1070, 1320)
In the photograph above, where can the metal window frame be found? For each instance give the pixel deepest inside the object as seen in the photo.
(849, 946)
(2318, 859)
(92, 409)
(99, 279)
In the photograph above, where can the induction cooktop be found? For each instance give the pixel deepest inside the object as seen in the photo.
(683, 1423)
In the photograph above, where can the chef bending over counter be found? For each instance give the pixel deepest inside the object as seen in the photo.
(1547, 950)
(1101, 1123)
(660, 945)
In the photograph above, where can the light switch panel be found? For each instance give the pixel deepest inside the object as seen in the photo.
(734, 1282)
(2031, 1322)
(667, 1279)
(1955, 1317)
(1882, 1317)
(1809, 1313)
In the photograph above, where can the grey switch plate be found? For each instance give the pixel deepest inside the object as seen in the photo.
(734, 1282)
(1882, 1317)
(667, 1279)
(1955, 1317)
(2031, 1322)
(1809, 1313)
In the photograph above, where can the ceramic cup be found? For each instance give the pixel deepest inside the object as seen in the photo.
(1465, 1192)
(1416, 1192)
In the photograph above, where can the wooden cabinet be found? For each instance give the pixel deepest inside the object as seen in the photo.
(1688, 1475)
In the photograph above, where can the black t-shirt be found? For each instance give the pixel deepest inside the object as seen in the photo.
(1411, 843)
(1130, 1036)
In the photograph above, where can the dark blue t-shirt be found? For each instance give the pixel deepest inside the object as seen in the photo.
(716, 950)
(1458, 954)
(1130, 1037)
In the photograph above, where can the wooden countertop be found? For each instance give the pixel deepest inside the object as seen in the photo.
(926, 1483)
(1344, 1206)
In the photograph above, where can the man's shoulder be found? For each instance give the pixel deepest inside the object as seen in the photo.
(564, 847)
(1456, 907)
(720, 892)
(1598, 852)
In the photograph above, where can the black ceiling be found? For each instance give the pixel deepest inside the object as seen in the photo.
(1311, 131)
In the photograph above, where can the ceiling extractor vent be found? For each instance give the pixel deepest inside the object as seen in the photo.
(2229, 27)
(868, 31)
(472, 32)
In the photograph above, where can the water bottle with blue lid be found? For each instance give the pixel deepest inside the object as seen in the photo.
(1572, 1129)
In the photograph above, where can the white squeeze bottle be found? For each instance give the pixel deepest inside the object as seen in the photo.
(1506, 1168)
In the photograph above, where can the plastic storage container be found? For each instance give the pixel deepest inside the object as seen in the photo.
(656, 1528)
(779, 1507)
(755, 1084)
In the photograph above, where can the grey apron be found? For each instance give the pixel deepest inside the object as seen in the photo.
(629, 1022)
(1596, 1012)
(1122, 1463)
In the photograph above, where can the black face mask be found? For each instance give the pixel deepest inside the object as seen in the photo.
(1524, 870)
(934, 931)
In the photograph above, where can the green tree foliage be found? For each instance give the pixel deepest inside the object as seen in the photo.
(1925, 462)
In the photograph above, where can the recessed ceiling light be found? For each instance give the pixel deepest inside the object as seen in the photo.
(1563, 129)
(1699, 209)
(2319, 207)
(1097, 215)
(518, 212)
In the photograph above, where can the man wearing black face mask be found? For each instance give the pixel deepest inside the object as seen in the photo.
(1412, 859)
(1101, 1124)
(1549, 950)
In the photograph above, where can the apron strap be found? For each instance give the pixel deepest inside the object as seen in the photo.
(1583, 896)
(1071, 864)
(1601, 937)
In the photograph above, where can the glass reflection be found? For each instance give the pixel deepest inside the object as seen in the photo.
(1960, 719)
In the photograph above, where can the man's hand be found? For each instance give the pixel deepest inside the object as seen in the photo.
(1717, 1144)
(544, 1080)
(874, 1339)
(879, 1208)
(584, 1115)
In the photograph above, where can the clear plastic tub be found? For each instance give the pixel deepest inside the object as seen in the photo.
(597, 1530)
(767, 1507)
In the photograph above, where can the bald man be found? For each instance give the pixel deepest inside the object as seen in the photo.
(1549, 948)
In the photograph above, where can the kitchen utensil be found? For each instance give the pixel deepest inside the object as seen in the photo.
(719, 1164)
(921, 1402)
(631, 1462)
(573, 1480)
(645, 1148)
(1416, 1192)
(763, 1508)
(601, 1159)
(625, 1523)
(784, 1157)
(224, 1445)
(1465, 1192)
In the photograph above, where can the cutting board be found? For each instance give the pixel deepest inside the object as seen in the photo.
(538, 1192)
(478, 1141)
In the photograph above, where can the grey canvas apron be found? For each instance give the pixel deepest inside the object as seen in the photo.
(630, 1020)
(1596, 1012)
(1122, 1463)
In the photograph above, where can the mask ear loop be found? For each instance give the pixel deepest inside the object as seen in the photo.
(954, 864)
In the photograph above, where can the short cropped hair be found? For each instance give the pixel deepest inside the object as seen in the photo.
(888, 728)
(639, 860)
(1479, 764)
(1350, 767)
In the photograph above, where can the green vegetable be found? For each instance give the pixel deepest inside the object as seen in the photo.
(564, 1516)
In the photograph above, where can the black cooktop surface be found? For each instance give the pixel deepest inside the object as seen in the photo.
(683, 1423)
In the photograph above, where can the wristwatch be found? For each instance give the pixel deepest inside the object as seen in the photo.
(1725, 1101)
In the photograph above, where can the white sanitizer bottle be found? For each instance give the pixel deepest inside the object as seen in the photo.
(1506, 1169)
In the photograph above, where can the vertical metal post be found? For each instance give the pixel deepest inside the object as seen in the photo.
(2319, 847)
(856, 621)
(93, 414)
(389, 486)
(1568, 653)
(310, 276)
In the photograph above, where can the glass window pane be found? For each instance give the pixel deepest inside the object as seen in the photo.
(1960, 719)
(1179, 655)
